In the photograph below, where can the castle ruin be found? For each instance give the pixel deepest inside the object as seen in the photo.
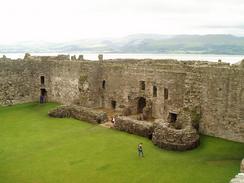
(206, 95)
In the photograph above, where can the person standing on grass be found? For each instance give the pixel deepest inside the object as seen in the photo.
(140, 150)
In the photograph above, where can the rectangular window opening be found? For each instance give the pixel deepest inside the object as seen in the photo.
(104, 84)
(42, 80)
(166, 93)
(155, 91)
(142, 85)
(172, 117)
(113, 104)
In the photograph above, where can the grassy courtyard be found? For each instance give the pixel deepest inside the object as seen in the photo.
(37, 149)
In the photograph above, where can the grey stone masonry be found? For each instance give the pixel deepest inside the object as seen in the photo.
(211, 92)
(127, 124)
(167, 137)
(80, 113)
(238, 178)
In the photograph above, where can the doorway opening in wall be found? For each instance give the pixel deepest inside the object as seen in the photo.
(43, 95)
(42, 80)
(172, 117)
(43, 92)
(141, 104)
(113, 104)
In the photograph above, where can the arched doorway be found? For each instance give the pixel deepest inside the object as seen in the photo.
(43, 96)
(141, 104)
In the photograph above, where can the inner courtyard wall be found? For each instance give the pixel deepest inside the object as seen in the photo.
(123, 80)
(222, 102)
(214, 90)
(20, 81)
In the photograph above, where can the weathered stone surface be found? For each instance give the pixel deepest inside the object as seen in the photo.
(61, 57)
(4, 58)
(17, 82)
(80, 113)
(73, 57)
(167, 137)
(147, 111)
(127, 124)
(238, 178)
(100, 57)
(242, 166)
(81, 58)
(242, 63)
(126, 111)
(61, 112)
(27, 55)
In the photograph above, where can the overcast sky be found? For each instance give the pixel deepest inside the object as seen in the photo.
(63, 20)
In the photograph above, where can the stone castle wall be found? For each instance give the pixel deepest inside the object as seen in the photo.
(20, 81)
(216, 91)
(213, 90)
(222, 103)
(15, 86)
(74, 82)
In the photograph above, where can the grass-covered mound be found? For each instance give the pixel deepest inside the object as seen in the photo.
(38, 149)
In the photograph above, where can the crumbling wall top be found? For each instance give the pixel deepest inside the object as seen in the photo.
(46, 58)
(242, 64)
(4, 58)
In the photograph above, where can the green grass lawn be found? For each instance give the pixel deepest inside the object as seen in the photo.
(38, 149)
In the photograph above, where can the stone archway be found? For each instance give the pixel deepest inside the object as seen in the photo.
(141, 104)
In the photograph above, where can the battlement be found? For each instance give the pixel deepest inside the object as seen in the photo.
(141, 62)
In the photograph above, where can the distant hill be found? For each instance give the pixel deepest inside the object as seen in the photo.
(139, 43)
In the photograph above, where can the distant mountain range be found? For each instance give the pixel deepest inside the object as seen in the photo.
(138, 43)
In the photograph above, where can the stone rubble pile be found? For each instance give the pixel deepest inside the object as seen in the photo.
(167, 137)
(162, 134)
(80, 113)
(137, 127)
